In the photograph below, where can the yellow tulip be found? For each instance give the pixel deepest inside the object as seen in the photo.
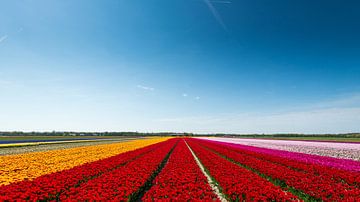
(28, 166)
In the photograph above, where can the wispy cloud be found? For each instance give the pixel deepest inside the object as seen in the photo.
(20, 30)
(344, 101)
(339, 115)
(197, 98)
(5, 82)
(340, 101)
(184, 95)
(145, 88)
(221, 2)
(215, 13)
(336, 120)
(3, 38)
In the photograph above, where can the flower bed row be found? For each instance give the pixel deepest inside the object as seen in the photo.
(51, 186)
(181, 179)
(15, 168)
(342, 151)
(238, 183)
(123, 183)
(310, 167)
(314, 185)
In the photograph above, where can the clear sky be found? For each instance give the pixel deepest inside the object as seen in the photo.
(242, 66)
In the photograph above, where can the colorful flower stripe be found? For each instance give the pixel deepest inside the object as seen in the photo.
(50, 186)
(28, 166)
(343, 164)
(181, 179)
(121, 183)
(306, 166)
(20, 144)
(331, 149)
(313, 185)
(238, 183)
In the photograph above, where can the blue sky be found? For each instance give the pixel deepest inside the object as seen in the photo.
(239, 66)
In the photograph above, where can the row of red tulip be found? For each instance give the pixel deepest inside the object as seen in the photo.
(52, 186)
(310, 167)
(314, 185)
(123, 183)
(238, 183)
(181, 179)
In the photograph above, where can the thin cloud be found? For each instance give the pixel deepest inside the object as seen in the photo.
(184, 95)
(340, 115)
(20, 30)
(197, 98)
(342, 101)
(215, 13)
(221, 2)
(334, 120)
(5, 83)
(3, 38)
(145, 88)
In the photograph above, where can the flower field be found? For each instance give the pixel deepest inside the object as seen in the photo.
(177, 169)
(181, 179)
(342, 150)
(31, 165)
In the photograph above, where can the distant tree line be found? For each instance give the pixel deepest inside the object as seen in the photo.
(134, 134)
(341, 135)
(57, 133)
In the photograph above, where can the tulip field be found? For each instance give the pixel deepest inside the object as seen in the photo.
(186, 169)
